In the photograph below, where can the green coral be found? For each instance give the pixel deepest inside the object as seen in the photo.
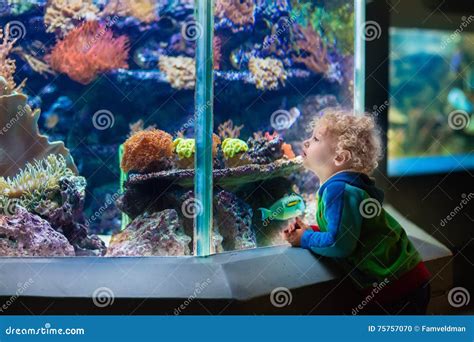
(232, 146)
(184, 148)
(334, 24)
(36, 182)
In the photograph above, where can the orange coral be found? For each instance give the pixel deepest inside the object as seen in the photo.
(216, 141)
(88, 51)
(146, 148)
(240, 12)
(287, 151)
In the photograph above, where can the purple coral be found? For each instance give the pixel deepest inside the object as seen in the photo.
(156, 234)
(25, 234)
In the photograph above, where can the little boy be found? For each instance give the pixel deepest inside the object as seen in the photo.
(352, 225)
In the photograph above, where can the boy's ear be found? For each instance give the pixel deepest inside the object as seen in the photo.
(342, 158)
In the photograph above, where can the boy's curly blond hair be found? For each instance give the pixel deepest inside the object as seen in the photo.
(357, 134)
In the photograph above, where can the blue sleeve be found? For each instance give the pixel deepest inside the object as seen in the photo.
(341, 211)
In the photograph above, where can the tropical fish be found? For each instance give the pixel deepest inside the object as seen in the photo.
(285, 208)
(459, 100)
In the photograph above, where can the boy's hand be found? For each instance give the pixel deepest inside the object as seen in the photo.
(294, 232)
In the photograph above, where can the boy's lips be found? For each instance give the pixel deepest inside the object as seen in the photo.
(304, 154)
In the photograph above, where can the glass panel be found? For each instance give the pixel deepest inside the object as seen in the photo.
(277, 64)
(442, 91)
(114, 80)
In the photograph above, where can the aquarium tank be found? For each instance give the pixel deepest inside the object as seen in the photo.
(103, 104)
(431, 123)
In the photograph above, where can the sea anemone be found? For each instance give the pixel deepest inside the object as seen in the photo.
(35, 182)
(89, 50)
(147, 151)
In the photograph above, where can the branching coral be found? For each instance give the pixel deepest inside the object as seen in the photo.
(239, 12)
(180, 71)
(146, 150)
(143, 10)
(267, 72)
(35, 182)
(88, 51)
(228, 130)
(63, 15)
(34, 62)
(8, 65)
(139, 126)
(312, 51)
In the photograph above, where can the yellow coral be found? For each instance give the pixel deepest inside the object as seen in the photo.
(267, 72)
(180, 71)
(146, 148)
(143, 10)
(62, 15)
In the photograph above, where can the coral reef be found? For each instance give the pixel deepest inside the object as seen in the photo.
(19, 137)
(49, 189)
(147, 151)
(89, 50)
(156, 234)
(228, 130)
(180, 71)
(234, 221)
(312, 51)
(61, 16)
(144, 10)
(267, 72)
(25, 234)
(265, 149)
(8, 65)
(239, 12)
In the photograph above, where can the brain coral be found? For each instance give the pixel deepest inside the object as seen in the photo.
(146, 149)
(267, 72)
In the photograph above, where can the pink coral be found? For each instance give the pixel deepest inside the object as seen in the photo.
(88, 51)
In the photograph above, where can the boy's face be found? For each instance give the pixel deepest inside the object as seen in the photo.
(319, 152)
